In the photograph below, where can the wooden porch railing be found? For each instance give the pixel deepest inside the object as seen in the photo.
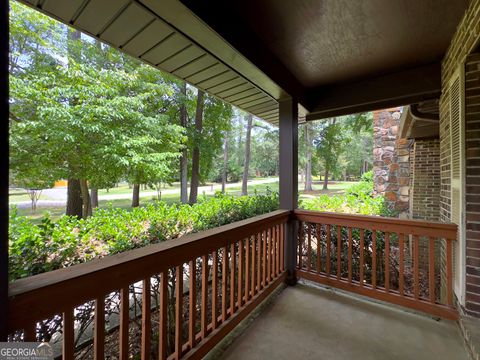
(405, 262)
(204, 284)
(179, 298)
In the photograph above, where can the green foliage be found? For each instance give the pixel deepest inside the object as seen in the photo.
(358, 199)
(330, 144)
(67, 241)
(367, 177)
(340, 145)
(85, 111)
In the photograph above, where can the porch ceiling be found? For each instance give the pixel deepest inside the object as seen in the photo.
(335, 57)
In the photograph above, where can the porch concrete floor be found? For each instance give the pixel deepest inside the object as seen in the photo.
(311, 323)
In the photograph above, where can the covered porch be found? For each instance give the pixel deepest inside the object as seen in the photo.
(181, 298)
(188, 295)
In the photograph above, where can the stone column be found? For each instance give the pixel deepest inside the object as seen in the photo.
(391, 161)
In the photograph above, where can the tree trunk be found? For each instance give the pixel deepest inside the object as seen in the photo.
(136, 195)
(196, 150)
(240, 140)
(94, 196)
(308, 165)
(87, 205)
(325, 180)
(74, 198)
(246, 159)
(184, 158)
(225, 162)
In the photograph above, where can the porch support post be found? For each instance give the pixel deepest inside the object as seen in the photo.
(288, 112)
(4, 160)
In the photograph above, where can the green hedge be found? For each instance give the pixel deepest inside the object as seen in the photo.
(67, 241)
(358, 199)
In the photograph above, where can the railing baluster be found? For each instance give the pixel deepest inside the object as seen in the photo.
(232, 278)
(254, 264)
(99, 329)
(329, 239)
(300, 245)
(224, 283)
(431, 269)
(240, 274)
(124, 322)
(362, 256)
(247, 269)
(282, 247)
(214, 289)
(309, 246)
(374, 258)
(68, 335)
(259, 262)
(264, 259)
(192, 302)
(401, 268)
(178, 310)
(350, 244)
(272, 253)
(319, 248)
(146, 320)
(416, 285)
(449, 273)
(162, 322)
(387, 262)
(269, 255)
(277, 250)
(203, 319)
(339, 252)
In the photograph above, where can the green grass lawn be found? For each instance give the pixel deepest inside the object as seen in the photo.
(17, 195)
(335, 187)
(124, 188)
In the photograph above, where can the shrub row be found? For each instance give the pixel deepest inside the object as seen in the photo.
(51, 245)
(67, 241)
(358, 199)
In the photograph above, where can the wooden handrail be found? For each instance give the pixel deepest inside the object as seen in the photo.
(415, 227)
(41, 296)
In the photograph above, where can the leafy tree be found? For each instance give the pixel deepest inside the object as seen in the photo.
(206, 137)
(197, 138)
(246, 161)
(334, 136)
(329, 145)
(85, 123)
(265, 151)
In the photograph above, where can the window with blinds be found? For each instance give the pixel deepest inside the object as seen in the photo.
(456, 123)
(456, 138)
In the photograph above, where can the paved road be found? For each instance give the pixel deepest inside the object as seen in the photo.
(58, 196)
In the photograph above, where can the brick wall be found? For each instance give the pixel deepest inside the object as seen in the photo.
(425, 180)
(464, 41)
(391, 161)
(425, 190)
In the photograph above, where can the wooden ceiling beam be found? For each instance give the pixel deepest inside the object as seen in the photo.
(395, 89)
